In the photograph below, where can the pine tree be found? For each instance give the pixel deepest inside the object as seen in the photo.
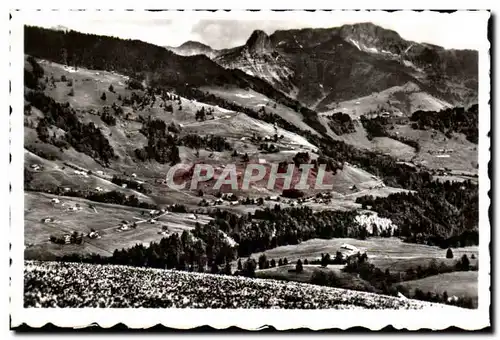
(298, 267)
(250, 267)
(445, 296)
(449, 254)
(240, 266)
(214, 269)
(262, 261)
(325, 260)
(103, 96)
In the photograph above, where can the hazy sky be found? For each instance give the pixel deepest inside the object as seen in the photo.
(458, 30)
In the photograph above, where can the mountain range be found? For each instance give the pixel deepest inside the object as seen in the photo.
(320, 67)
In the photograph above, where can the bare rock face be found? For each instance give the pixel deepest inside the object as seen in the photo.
(259, 42)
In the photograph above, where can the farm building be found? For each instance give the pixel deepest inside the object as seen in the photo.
(349, 247)
(94, 234)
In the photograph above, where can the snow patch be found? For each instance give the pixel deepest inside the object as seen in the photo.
(244, 95)
(355, 43)
(371, 219)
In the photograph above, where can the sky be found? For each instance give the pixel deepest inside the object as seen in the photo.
(459, 30)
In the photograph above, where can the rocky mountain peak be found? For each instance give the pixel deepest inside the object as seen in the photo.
(194, 44)
(259, 42)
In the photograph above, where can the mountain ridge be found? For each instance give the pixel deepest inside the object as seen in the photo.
(297, 61)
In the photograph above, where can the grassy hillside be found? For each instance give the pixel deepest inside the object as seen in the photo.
(46, 284)
(104, 218)
(388, 250)
(460, 284)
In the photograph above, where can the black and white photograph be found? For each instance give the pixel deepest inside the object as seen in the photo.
(317, 169)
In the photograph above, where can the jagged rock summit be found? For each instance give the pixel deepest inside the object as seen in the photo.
(259, 42)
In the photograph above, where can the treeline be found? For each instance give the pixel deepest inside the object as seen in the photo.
(85, 138)
(341, 123)
(445, 214)
(210, 142)
(270, 228)
(457, 120)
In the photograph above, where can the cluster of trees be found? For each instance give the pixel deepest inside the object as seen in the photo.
(341, 123)
(265, 263)
(377, 127)
(203, 248)
(441, 213)
(209, 142)
(292, 193)
(201, 114)
(116, 197)
(411, 142)
(326, 259)
(268, 148)
(32, 76)
(107, 117)
(270, 228)
(458, 120)
(113, 197)
(74, 238)
(161, 145)
(132, 184)
(134, 84)
(462, 301)
(85, 138)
